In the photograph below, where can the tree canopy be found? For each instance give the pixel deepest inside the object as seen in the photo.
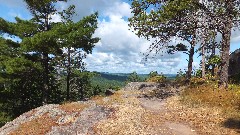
(33, 68)
(164, 19)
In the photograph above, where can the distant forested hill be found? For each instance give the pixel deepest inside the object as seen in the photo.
(106, 80)
(122, 77)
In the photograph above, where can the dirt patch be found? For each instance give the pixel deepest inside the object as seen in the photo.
(156, 118)
(205, 120)
(180, 128)
(154, 105)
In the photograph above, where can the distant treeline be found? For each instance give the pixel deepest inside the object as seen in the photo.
(122, 77)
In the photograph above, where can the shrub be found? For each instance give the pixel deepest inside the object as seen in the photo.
(197, 81)
(4, 118)
(158, 79)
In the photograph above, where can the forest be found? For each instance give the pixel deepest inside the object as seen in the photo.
(46, 64)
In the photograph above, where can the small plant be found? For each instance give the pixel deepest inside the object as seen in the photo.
(152, 74)
(158, 79)
(214, 60)
(4, 118)
(198, 73)
(180, 77)
(197, 81)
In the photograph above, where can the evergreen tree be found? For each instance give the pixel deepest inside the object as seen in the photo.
(168, 19)
(19, 75)
(44, 41)
(28, 67)
(77, 41)
(133, 77)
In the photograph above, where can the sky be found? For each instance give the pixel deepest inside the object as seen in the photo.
(119, 50)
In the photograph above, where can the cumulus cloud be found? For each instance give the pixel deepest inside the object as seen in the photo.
(235, 37)
(84, 8)
(119, 50)
(119, 9)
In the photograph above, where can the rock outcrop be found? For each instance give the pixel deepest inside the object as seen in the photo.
(86, 117)
(234, 63)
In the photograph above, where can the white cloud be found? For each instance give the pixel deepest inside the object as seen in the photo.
(119, 49)
(119, 9)
(235, 37)
(84, 7)
(56, 18)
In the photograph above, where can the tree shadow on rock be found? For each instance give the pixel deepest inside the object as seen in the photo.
(232, 123)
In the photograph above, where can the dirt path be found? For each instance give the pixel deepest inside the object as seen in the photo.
(157, 106)
(153, 99)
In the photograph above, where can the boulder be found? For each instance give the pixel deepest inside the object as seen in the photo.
(109, 92)
(234, 63)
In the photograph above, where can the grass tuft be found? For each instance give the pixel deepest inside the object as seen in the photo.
(73, 107)
(208, 95)
(39, 126)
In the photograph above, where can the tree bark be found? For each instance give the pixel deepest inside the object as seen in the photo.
(68, 73)
(190, 58)
(45, 79)
(203, 48)
(190, 61)
(226, 35)
(45, 92)
(203, 61)
(213, 54)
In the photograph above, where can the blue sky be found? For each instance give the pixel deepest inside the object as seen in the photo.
(120, 50)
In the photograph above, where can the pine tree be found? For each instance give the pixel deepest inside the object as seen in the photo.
(43, 42)
(133, 77)
(77, 41)
(19, 75)
(168, 19)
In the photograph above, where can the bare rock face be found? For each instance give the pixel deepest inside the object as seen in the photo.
(153, 90)
(234, 63)
(83, 123)
(51, 109)
(68, 121)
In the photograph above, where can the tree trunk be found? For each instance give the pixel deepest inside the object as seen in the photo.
(203, 48)
(46, 69)
(68, 73)
(213, 54)
(45, 79)
(190, 61)
(226, 35)
(203, 61)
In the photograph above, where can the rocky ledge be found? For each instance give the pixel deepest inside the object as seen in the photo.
(86, 117)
